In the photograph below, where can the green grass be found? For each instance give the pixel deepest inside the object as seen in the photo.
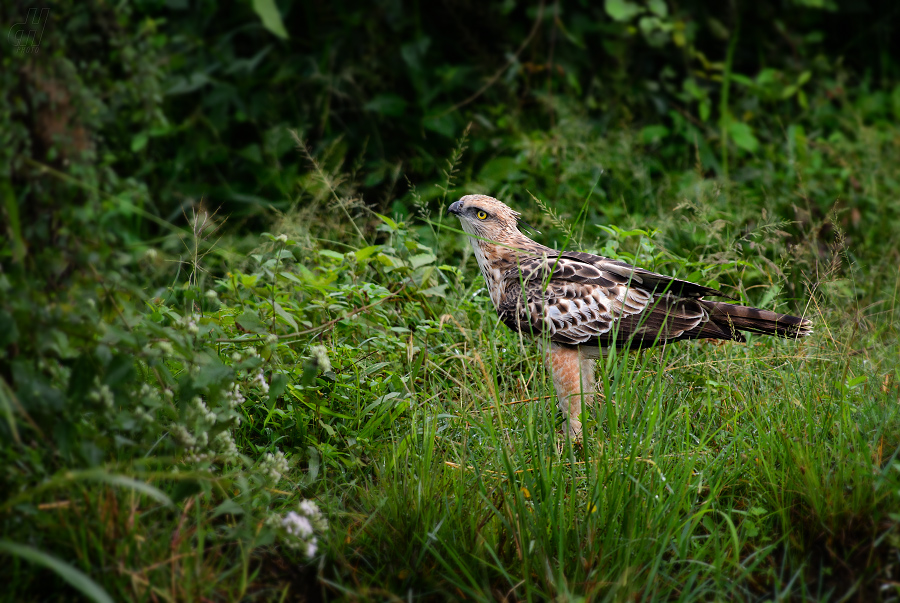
(716, 472)
(427, 432)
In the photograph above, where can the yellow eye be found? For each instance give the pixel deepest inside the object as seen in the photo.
(481, 215)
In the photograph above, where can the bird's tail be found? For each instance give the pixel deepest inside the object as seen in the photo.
(744, 318)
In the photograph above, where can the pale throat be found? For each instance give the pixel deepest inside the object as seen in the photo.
(495, 259)
(490, 270)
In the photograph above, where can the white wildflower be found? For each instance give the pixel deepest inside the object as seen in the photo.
(301, 526)
(166, 348)
(194, 457)
(297, 525)
(151, 255)
(270, 339)
(226, 446)
(320, 356)
(182, 435)
(233, 396)
(103, 394)
(260, 381)
(311, 548)
(203, 411)
(311, 510)
(236, 357)
(274, 465)
(282, 238)
(211, 294)
(142, 415)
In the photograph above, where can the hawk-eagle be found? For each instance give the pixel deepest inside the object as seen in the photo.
(577, 303)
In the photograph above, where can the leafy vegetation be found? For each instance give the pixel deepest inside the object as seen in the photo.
(245, 355)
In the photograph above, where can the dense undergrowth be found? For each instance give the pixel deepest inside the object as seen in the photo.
(292, 386)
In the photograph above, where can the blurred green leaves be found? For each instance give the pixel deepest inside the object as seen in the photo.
(622, 10)
(75, 577)
(742, 135)
(268, 13)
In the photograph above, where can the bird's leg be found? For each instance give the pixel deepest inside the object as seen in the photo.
(574, 381)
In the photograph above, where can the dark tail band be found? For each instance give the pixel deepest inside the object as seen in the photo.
(755, 320)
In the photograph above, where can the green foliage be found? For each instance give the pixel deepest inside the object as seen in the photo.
(176, 388)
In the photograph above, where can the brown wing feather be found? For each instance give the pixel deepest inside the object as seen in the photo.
(650, 281)
(589, 300)
(570, 301)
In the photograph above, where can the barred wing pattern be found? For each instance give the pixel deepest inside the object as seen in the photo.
(582, 299)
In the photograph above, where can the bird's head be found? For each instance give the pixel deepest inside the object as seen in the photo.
(488, 219)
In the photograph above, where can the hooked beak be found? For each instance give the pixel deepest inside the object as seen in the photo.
(455, 208)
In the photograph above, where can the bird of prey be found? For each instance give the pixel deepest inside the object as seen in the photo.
(577, 304)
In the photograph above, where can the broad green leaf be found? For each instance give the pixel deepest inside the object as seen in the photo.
(436, 291)
(328, 428)
(375, 367)
(291, 277)
(188, 84)
(139, 142)
(690, 86)
(277, 387)
(856, 381)
(268, 13)
(391, 105)
(654, 133)
(390, 261)
(388, 221)
(767, 76)
(285, 316)
(421, 260)
(442, 124)
(412, 52)
(742, 135)
(621, 10)
(743, 80)
(366, 252)
(789, 91)
(705, 109)
(249, 321)
(228, 506)
(658, 8)
(75, 577)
